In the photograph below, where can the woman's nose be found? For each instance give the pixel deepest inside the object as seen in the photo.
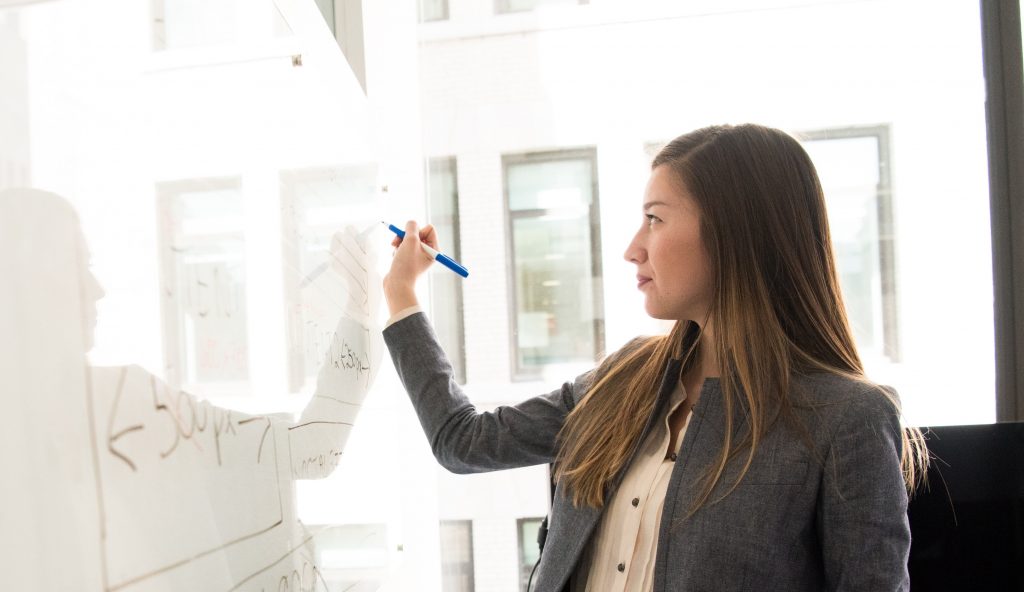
(634, 252)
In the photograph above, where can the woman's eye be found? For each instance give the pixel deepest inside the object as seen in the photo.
(651, 219)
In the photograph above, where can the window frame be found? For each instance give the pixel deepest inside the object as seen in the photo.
(456, 351)
(465, 527)
(886, 225)
(1004, 130)
(158, 31)
(175, 358)
(524, 569)
(445, 13)
(299, 373)
(502, 7)
(518, 372)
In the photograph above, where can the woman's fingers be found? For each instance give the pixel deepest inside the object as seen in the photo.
(429, 235)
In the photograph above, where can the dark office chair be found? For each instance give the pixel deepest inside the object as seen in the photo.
(968, 527)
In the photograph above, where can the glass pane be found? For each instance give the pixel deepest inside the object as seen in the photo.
(501, 6)
(849, 171)
(877, 118)
(554, 290)
(327, 10)
(190, 23)
(446, 288)
(204, 286)
(186, 140)
(200, 186)
(556, 184)
(433, 10)
(457, 556)
(895, 280)
(529, 551)
(315, 204)
(351, 557)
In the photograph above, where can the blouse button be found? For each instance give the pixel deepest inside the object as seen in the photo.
(622, 567)
(672, 457)
(636, 502)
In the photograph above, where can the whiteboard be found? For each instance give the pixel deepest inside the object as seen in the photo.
(190, 295)
(129, 484)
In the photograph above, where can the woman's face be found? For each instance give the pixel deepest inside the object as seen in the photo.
(672, 265)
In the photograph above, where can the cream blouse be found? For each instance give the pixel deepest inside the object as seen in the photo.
(620, 557)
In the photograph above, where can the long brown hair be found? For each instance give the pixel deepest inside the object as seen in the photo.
(777, 311)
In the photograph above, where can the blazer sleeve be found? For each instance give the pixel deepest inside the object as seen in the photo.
(464, 440)
(862, 511)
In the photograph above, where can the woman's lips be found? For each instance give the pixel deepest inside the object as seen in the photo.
(641, 281)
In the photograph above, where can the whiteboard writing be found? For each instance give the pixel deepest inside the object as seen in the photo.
(180, 470)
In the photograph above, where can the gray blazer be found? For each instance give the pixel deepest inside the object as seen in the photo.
(830, 520)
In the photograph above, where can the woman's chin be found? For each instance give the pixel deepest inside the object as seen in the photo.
(657, 313)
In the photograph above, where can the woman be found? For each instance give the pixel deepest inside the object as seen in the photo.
(745, 450)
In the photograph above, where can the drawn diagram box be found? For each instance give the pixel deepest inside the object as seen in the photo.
(180, 479)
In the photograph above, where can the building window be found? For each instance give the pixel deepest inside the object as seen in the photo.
(327, 10)
(456, 555)
(192, 23)
(352, 557)
(181, 24)
(202, 254)
(446, 288)
(315, 204)
(854, 167)
(506, 6)
(529, 550)
(433, 10)
(553, 234)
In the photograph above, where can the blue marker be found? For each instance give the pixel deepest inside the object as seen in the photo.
(439, 257)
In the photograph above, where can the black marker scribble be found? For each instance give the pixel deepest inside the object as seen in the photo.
(263, 438)
(158, 407)
(222, 424)
(345, 358)
(323, 462)
(112, 437)
(270, 566)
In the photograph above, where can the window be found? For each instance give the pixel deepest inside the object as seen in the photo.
(504, 6)
(550, 78)
(202, 254)
(327, 9)
(433, 10)
(185, 24)
(446, 288)
(854, 168)
(352, 557)
(529, 549)
(456, 555)
(189, 23)
(554, 250)
(315, 204)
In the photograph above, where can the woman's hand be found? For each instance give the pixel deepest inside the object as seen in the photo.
(409, 263)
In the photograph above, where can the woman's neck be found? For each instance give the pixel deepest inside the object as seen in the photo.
(706, 365)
